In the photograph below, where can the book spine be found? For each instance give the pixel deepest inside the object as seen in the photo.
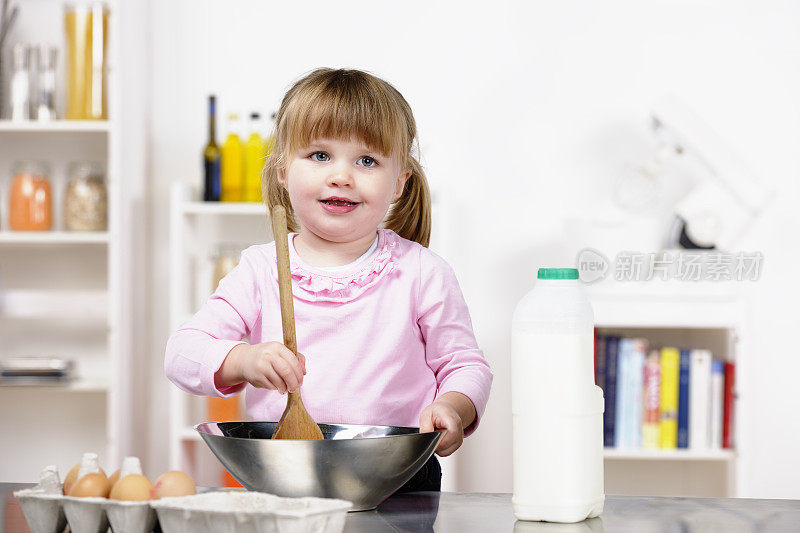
(612, 346)
(727, 408)
(699, 399)
(623, 391)
(636, 378)
(600, 362)
(668, 414)
(717, 399)
(652, 401)
(683, 399)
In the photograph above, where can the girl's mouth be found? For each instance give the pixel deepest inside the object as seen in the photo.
(338, 206)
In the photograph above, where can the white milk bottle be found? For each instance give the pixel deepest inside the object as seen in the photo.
(557, 409)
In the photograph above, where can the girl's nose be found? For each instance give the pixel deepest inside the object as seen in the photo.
(340, 177)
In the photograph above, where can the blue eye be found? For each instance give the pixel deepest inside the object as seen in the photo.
(322, 156)
(368, 162)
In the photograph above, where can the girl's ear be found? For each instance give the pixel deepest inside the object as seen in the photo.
(401, 183)
(282, 177)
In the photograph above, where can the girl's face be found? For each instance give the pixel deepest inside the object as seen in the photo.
(341, 190)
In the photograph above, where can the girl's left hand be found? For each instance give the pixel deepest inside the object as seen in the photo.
(441, 415)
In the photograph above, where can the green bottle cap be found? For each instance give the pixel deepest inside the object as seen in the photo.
(558, 273)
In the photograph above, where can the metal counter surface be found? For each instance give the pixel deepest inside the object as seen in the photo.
(462, 513)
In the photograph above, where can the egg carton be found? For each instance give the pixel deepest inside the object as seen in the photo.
(50, 513)
(217, 512)
(44, 512)
(250, 512)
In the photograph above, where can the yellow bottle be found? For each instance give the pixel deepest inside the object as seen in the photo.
(255, 155)
(232, 171)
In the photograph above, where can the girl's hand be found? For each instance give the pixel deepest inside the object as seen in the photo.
(269, 365)
(442, 415)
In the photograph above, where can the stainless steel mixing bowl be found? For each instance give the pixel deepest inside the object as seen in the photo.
(362, 464)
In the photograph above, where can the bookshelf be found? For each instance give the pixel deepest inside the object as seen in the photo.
(692, 315)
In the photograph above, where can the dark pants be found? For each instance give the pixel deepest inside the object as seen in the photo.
(428, 478)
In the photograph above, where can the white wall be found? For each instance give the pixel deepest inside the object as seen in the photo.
(527, 112)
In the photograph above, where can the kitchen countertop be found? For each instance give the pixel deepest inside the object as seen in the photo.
(450, 512)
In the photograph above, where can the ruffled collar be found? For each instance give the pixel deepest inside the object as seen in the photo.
(316, 285)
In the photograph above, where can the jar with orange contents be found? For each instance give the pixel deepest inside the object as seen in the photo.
(31, 198)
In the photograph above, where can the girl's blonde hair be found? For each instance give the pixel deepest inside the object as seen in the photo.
(344, 104)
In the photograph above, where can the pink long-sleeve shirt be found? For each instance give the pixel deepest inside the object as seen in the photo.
(382, 339)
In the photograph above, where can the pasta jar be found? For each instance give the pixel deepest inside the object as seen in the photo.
(226, 257)
(86, 198)
(31, 197)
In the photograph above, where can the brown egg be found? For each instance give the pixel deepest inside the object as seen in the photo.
(174, 483)
(133, 488)
(72, 477)
(91, 486)
(114, 478)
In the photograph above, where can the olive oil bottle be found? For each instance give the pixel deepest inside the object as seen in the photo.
(211, 157)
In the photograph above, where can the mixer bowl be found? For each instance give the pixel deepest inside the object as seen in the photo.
(361, 464)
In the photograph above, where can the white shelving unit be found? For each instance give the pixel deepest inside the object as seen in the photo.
(67, 294)
(196, 229)
(692, 315)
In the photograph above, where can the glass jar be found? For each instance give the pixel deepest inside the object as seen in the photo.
(31, 197)
(86, 29)
(86, 198)
(226, 257)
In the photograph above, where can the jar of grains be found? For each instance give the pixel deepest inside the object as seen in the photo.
(86, 198)
(30, 199)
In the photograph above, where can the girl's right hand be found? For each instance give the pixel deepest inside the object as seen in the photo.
(269, 365)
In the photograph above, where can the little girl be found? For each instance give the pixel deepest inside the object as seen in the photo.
(384, 331)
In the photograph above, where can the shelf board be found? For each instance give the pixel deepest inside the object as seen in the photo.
(665, 311)
(63, 305)
(37, 238)
(225, 208)
(72, 386)
(55, 126)
(670, 455)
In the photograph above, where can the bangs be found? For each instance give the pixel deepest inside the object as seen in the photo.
(343, 107)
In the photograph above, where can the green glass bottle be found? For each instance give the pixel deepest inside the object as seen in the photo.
(211, 157)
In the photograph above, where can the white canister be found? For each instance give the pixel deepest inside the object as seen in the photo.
(557, 408)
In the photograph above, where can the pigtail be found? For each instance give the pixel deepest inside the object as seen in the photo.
(410, 216)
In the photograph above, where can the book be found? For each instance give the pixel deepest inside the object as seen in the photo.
(717, 399)
(727, 406)
(633, 425)
(699, 400)
(651, 400)
(600, 362)
(668, 410)
(683, 399)
(612, 346)
(623, 391)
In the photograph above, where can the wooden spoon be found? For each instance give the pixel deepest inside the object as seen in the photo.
(295, 423)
